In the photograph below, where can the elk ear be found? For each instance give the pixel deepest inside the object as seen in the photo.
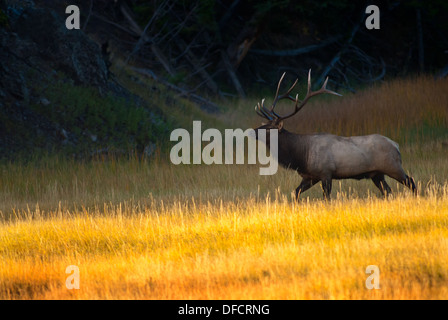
(280, 126)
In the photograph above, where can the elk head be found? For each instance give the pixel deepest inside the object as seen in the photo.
(275, 121)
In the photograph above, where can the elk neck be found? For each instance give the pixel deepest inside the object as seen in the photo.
(293, 150)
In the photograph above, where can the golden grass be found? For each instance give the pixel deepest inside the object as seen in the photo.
(266, 249)
(146, 229)
(53, 182)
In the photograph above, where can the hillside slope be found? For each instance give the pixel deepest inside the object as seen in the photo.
(58, 94)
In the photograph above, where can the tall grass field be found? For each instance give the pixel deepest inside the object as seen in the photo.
(143, 228)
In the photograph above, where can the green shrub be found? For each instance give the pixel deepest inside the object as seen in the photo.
(116, 122)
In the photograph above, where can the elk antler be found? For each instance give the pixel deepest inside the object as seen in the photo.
(272, 115)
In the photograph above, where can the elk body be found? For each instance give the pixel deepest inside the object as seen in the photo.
(324, 157)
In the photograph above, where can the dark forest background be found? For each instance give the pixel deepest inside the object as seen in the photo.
(80, 90)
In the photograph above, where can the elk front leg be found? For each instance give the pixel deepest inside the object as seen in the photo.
(381, 184)
(305, 185)
(326, 187)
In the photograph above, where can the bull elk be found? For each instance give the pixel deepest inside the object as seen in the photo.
(322, 157)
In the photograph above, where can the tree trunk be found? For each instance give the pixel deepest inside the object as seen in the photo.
(337, 57)
(194, 61)
(145, 38)
(231, 71)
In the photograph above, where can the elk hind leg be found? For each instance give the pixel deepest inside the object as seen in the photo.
(304, 185)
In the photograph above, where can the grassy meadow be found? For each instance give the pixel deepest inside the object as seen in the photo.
(141, 228)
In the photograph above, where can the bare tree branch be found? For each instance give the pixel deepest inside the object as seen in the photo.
(211, 84)
(116, 25)
(231, 71)
(337, 57)
(210, 106)
(298, 51)
(144, 38)
(88, 16)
